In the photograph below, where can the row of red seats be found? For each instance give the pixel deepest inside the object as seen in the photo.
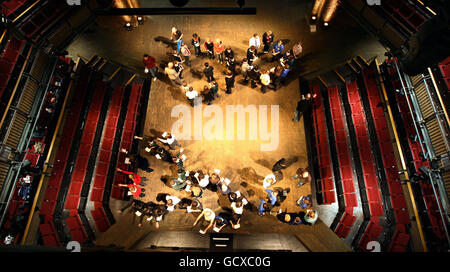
(414, 146)
(325, 182)
(445, 70)
(47, 228)
(45, 15)
(365, 151)
(127, 138)
(406, 11)
(367, 161)
(387, 150)
(98, 213)
(9, 6)
(345, 166)
(16, 201)
(8, 60)
(80, 168)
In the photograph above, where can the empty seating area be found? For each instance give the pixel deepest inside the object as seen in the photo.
(444, 67)
(356, 108)
(81, 164)
(49, 235)
(344, 160)
(387, 151)
(10, 6)
(425, 198)
(371, 186)
(406, 12)
(104, 159)
(8, 60)
(324, 178)
(40, 16)
(127, 138)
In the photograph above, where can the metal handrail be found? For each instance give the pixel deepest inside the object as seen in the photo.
(409, 90)
(33, 126)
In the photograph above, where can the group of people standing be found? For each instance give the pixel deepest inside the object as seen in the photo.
(195, 182)
(211, 49)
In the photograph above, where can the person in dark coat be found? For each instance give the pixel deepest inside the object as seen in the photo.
(209, 72)
(254, 75)
(267, 40)
(279, 165)
(229, 80)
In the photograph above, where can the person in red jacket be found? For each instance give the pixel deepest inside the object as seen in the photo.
(218, 49)
(150, 65)
(137, 180)
(135, 190)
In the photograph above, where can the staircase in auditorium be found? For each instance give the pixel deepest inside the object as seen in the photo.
(102, 119)
(358, 166)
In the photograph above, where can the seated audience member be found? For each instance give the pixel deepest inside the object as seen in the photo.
(209, 217)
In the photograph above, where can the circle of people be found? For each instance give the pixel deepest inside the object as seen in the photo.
(195, 182)
(225, 55)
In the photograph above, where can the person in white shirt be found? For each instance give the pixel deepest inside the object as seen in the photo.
(311, 216)
(269, 180)
(245, 68)
(238, 207)
(209, 217)
(203, 179)
(170, 140)
(173, 75)
(191, 95)
(185, 87)
(171, 202)
(195, 206)
(255, 41)
(265, 81)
